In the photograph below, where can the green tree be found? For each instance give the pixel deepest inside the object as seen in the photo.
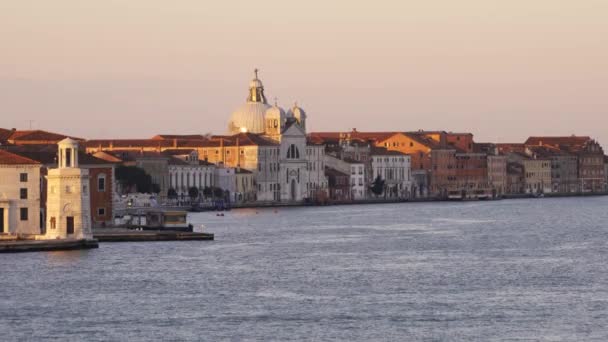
(377, 186)
(172, 194)
(218, 192)
(207, 192)
(193, 193)
(134, 179)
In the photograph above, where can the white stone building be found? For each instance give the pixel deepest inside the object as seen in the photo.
(287, 168)
(19, 195)
(395, 169)
(68, 196)
(187, 171)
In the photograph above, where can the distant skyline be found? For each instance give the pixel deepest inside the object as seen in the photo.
(502, 70)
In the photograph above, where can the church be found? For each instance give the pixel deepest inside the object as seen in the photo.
(290, 169)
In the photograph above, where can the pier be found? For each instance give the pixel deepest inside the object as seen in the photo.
(128, 235)
(17, 246)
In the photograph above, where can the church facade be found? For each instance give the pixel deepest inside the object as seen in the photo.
(287, 167)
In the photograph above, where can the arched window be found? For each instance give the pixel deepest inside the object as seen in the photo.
(293, 152)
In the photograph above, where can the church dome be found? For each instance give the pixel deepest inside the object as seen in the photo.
(275, 112)
(250, 117)
(296, 112)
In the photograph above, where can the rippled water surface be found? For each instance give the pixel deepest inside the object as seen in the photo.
(516, 270)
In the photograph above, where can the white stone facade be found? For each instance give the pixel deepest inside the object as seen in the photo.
(20, 215)
(68, 197)
(395, 169)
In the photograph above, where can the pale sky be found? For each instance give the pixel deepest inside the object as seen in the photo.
(502, 70)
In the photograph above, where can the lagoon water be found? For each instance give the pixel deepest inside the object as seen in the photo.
(512, 270)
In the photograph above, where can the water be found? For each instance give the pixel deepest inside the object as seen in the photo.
(518, 270)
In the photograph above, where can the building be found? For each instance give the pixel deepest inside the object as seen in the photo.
(537, 175)
(590, 155)
(101, 179)
(19, 195)
(515, 178)
(354, 169)
(245, 189)
(339, 184)
(35, 137)
(187, 171)
(68, 205)
(394, 169)
(564, 168)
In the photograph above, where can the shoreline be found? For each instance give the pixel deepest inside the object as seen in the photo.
(391, 201)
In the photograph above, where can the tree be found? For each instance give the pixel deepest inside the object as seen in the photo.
(172, 194)
(133, 178)
(193, 193)
(377, 186)
(207, 192)
(218, 192)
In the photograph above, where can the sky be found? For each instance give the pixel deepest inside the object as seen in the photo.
(503, 70)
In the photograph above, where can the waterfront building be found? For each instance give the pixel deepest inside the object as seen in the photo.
(19, 195)
(537, 173)
(356, 172)
(187, 171)
(339, 184)
(590, 155)
(394, 168)
(245, 189)
(68, 196)
(155, 164)
(101, 178)
(497, 174)
(515, 178)
(564, 168)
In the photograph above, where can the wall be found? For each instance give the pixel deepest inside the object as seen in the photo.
(10, 186)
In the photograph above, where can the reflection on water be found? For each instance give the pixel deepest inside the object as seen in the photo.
(521, 270)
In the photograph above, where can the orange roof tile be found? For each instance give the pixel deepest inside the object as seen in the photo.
(8, 158)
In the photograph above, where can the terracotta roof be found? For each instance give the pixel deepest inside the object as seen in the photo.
(128, 143)
(37, 136)
(129, 155)
(381, 151)
(558, 141)
(48, 157)
(8, 158)
(179, 137)
(423, 139)
(546, 151)
(510, 148)
(5, 134)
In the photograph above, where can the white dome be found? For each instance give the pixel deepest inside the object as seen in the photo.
(275, 112)
(248, 117)
(296, 112)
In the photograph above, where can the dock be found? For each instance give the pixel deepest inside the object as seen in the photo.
(126, 235)
(18, 246)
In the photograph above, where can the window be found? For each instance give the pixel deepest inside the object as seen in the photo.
(293, 152)
(68, 189)
(23, 177)
(101, 211)
(53, 223)
(101, 183)
(23, 193)
(23, 214)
